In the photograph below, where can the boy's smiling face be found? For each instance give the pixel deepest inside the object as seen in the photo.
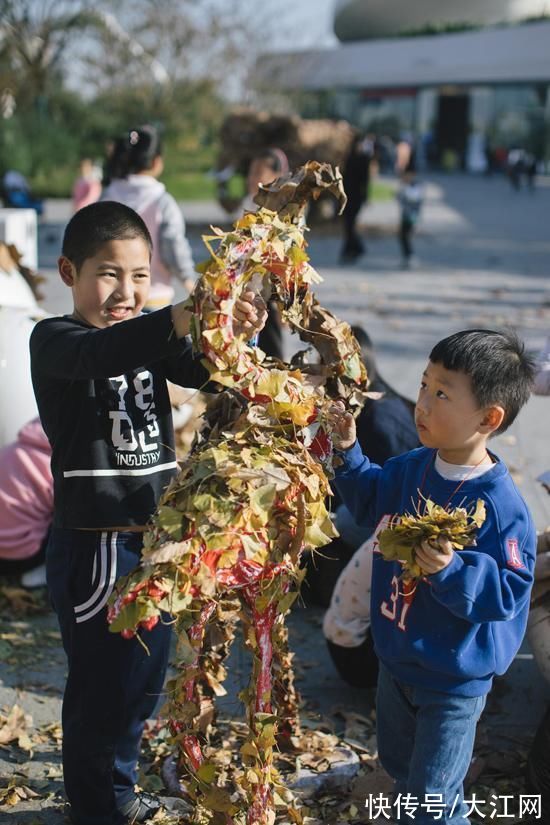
(111, 286)
(448, 416)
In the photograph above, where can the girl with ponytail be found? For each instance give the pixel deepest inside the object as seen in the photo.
(133, 170)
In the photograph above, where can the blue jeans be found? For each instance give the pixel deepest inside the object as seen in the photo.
(425, 743)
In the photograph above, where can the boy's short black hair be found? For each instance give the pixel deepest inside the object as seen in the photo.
(500, 371)
(99, 223)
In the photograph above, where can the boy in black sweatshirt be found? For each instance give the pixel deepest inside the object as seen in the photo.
(99, 377)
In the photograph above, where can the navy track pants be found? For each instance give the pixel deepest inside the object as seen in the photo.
(112, 685)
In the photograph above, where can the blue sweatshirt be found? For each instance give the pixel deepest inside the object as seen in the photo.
(464, 624)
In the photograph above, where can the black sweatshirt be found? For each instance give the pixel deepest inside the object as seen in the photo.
(104, 405)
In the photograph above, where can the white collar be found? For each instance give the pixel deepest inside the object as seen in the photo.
(458, 472)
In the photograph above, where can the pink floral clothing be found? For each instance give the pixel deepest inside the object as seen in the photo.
(26, 493)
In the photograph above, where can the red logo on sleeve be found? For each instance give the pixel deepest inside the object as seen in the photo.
(514, 556)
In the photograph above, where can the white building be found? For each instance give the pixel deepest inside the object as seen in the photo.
(369, 19)
(488, 84)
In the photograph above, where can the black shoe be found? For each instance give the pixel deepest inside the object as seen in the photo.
(140, 809)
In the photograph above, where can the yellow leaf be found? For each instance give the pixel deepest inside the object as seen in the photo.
(314, 536)
(480, 513)
(207, 772)
(261, 500)
(273, 383)
(298, 255)
(250, 749)
(252, 546)
(218, 800)
(247, 220)
(299, 413)
(171, 521)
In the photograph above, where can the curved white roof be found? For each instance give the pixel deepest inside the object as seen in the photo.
(515, 54)
(367, 19)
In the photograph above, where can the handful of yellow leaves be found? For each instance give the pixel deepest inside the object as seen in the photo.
(399, 541)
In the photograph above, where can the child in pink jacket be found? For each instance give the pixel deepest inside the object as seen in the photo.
(87, 187)
(26, 504)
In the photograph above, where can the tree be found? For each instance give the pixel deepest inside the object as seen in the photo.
(79, 75)
(35, 40)
(215, 41)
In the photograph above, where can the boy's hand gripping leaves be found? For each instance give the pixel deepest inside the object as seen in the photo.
(250, 314)
(343, 429)
(424, 544)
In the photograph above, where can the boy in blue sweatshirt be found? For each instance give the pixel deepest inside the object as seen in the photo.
(441, 644)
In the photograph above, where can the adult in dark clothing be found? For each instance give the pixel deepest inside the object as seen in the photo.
(264, 169)
(515, 166)
(386, 427)
(530, 164)
(356, 178)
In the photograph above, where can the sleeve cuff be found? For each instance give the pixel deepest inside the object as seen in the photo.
(351, 459)
(442, 578)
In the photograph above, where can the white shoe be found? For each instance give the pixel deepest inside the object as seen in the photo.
(34, 578)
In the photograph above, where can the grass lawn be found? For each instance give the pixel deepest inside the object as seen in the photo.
(186, 177)
(381, 191)
(190, 186)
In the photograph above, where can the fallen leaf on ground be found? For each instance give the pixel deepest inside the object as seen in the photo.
(14, 728)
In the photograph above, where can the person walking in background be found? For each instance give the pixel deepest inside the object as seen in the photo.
(133, 167)
(356, 180)
(515, 166)
(410, 196)
(264, 169)
(405, 155)
(87, 186)
(530, 164)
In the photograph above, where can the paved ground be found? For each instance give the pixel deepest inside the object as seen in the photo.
(484, 254)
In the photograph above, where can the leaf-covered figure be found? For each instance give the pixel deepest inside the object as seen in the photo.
(226, 541)
(399, 541)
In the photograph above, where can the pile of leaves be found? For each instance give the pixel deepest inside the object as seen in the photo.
(226, 540)
(266, 252)
(398, 542)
